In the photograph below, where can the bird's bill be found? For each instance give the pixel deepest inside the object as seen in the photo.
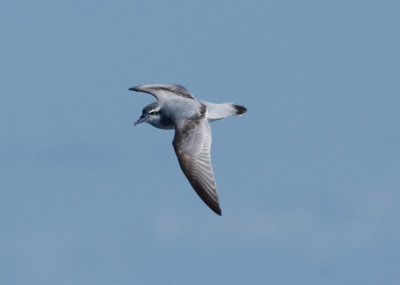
(141, 120)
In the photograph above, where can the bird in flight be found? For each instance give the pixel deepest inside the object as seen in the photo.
(178, 109)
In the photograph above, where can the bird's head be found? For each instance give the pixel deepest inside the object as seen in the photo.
(150, 114)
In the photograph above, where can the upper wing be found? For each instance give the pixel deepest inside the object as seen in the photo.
(161, 91)
(192, 144)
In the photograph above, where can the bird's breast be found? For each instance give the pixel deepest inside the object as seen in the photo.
(164, 123)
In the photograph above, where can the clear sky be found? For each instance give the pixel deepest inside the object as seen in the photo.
(308, 178)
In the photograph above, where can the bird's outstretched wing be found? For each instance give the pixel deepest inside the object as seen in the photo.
(161, 91)
(192, 144)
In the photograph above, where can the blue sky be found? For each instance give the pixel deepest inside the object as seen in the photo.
(308, 179)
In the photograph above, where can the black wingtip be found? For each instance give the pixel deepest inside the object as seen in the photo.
(218, 211)
(240, 109)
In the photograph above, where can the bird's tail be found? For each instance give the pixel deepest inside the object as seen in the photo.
(220, 111)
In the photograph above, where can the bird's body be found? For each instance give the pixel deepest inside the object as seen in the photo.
(177, 109)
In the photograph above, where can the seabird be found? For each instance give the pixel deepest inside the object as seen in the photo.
(178, 109)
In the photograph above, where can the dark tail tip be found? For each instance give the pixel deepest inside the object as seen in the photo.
(240, 109)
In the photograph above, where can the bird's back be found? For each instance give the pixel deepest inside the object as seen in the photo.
(182, 108)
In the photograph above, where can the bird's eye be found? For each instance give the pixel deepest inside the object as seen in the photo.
(153, 112)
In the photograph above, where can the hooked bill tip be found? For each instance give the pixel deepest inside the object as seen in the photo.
(141, 120)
